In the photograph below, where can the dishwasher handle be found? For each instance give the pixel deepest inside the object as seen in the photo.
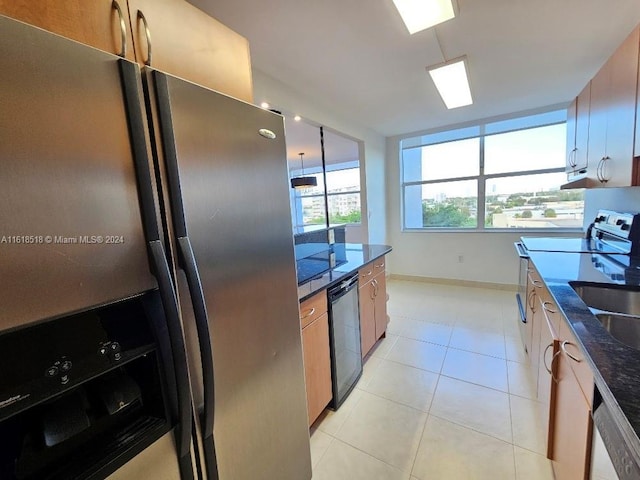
(521, 249)
(342, 288)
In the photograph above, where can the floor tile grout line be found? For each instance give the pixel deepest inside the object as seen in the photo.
(470, 428)
(369, 455)
(424, 427)
(475, 384)
(333, 439)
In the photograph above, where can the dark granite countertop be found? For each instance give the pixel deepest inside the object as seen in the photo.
(616, 367)
(356, 256)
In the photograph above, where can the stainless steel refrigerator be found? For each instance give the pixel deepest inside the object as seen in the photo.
(192, 187)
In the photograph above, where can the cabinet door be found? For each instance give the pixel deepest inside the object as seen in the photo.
(380, 301)
(598, 120)
(94, 23)
(572, 427)
(572, 116)
(368, 337)
(622, 112)
(317, 365)
(547, 370)
(188, 43)
(583, 108)
(534, 320)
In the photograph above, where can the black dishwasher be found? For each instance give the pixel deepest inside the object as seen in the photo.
(344, 338)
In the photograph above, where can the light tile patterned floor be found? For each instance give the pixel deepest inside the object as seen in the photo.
(445, 396)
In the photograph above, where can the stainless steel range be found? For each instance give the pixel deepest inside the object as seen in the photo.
(610, 233)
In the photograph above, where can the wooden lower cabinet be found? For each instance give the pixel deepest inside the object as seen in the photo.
(547, 370)
(373, 304)
(366, 300)
(564, 385)
(317, 365)
(572, 427)
(380, 303)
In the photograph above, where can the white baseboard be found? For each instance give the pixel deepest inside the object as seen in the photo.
(454, 281)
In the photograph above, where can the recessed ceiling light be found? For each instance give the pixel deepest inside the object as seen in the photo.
(421, 14)
(452, 82)
(297, 118)
(265, 105)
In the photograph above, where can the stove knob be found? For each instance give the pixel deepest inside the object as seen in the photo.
(625, 226)
(114, 351)
(619, 221)
(601, 218)
(52, 371)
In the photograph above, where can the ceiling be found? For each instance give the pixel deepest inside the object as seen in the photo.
(358, 60)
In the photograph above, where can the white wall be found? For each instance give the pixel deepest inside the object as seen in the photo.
(619, 199)
(290, 100)
(487, 257)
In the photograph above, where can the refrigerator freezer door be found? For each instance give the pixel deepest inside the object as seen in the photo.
(71, 235)
(233, 187)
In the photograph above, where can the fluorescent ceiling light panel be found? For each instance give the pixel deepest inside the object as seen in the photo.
(452, 83)
(421, 14)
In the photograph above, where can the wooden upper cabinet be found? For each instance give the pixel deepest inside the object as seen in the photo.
(612, 118)
(598, 119)
(583, 108)
(636, 148)
(188, 43)
(622, 112)
(94, 23)
(572, 115)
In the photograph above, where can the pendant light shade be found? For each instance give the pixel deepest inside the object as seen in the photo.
(302, 181)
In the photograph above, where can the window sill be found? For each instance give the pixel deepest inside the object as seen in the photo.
(527, 231)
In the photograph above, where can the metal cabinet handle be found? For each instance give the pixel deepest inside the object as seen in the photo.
(311, 312)
(532, 300)
(553, 359)
(123, 29)
(381, 265)
(534, 282)
(572, 158)
(600, 170)
(545, 305)
(368, 273)
(147, 34)
(563, 346)
(375, 288)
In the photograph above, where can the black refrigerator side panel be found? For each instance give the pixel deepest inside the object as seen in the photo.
(71, 234)
(233, 181)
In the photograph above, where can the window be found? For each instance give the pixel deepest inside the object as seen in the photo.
(493, 176)
(342, 171)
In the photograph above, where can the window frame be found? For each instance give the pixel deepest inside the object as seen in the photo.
(299, 195)
(476, 131)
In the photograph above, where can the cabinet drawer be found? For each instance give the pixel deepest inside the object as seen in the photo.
(365, 274)
(575, 357)
(313, 307)
(378, 266)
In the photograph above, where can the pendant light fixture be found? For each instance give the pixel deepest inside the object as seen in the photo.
(302, 181)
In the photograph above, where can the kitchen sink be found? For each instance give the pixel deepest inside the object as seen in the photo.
(624, 328)
(609, 298)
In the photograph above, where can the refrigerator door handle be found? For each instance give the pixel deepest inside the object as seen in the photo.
(159, 266)
(170, 304)
(188, 261)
